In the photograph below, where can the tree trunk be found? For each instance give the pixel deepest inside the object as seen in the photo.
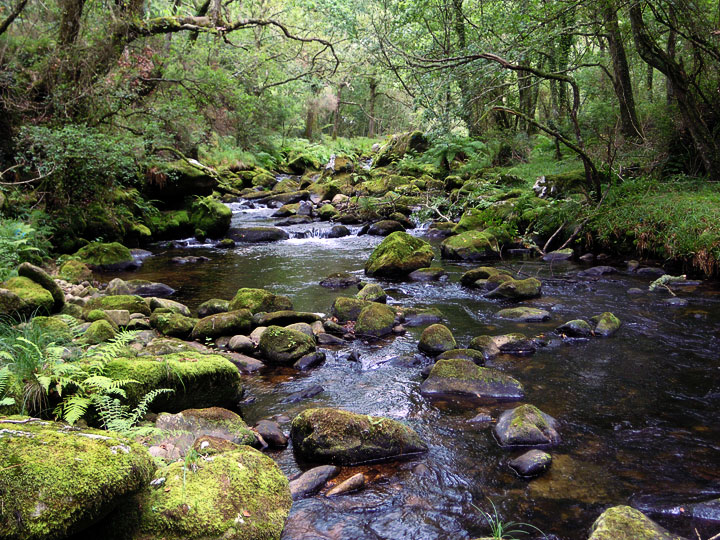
(371, 107)
(336, 112)
(629, 125)
(467, 109)
(681, 86)
(670, 51)
(69, 31)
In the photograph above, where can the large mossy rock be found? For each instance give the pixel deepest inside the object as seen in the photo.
(75, 271)
(517, 289)
(57, 328)
(399, 145)
(173, 324)
(132, 303)
(257, 300)
(471, 246)
(523, 314)
(42, 278)
(257, 234)
(112, 257)
(398, 255)
(626, 523)
(171, 224)
(375, 320)
(436, 339)
(606, 324)
(22, 297)
(56, 481)
(328, 435)
(285, 345)
(197, 380)
(211, 217)
(516, 344)
(348, 309)
(236, 495)
(230, 323)
(454, 377)
(481, 273)
(526, 425)
(98, 332)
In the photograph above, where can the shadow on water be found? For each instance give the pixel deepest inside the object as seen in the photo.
(638, 411)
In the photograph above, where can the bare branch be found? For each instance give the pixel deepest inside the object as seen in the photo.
(13, 15)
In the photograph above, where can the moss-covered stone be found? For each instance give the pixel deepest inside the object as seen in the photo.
(523, 314)
(347, 309)
(285, 345)
(211, 216)
(517, 289)
(134, 304)
(464, 354)
(171, 224)
(516, 343)
(213, 306)
(482, 272)
(75, 271)
(399, 145)
(372, 292)
(237, 495)
(23, 297)
(42, 278)
(398, 255)
(577, 328)
(455, 377)
(222, 324)
(184, 427)
(526, 425)
(327, 212)
(471, 246)
(257, 300)
(172, 305)
(54, 328)
(606, 324)
(98, 332)
(627, 523)
(375, 320)
(55, 481)
(172, 324)
(436, 339)
(471, 220)
(197, 380)
(108, 257)
(335, 436)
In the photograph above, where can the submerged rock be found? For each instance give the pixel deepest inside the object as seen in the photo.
(559, 255)
(463, 378)
(398, 255)
(312, 481)
(526, 425)
(531, 463)
(236, 495)
(345, 438)
(257, 234)
(436, 339)
(517, 289)
(353, 483)
(577, 328)
(57, 481)
(428, 274)
(626, 523)
(524, 314)
(516, 344)
(340, 280)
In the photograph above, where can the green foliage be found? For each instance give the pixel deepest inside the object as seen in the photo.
(115, 416)
(21, 241)
(663, 281)
(5, 401)
(505, 530)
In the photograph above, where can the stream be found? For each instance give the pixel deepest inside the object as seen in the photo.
(638, 411)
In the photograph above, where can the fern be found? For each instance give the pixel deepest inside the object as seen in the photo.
(118, 417)
(4, 379)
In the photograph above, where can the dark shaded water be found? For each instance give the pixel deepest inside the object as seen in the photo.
(639, 411)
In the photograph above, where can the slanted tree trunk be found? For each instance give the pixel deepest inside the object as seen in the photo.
(371, 107)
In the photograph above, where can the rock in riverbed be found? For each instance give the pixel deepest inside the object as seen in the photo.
(464, 379)
(526, 425)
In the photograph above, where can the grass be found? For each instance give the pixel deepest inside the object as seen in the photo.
(505, 530)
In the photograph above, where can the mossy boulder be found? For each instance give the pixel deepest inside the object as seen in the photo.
(627, 523)
(523, 314)
(134, 304)
(213, 307)
(257, 300)
(197, 380)
(347, 309)
(516, 344)
(112, 257)
(257, 234)
(471, 246)
(181, 429)
(171, 224)
(399, 145)
(471, 220)
(56, 482)
(464, 354)
(517, 289)
(375, 320)
(22, 297)
(454, 377)
(577, 328)
(526, 425)
(99, 332)
(173, 324)
(75, 271)
(326, 435)
(385, 227)
(55, 328)
(327, 212)
(171, 305)
(223, 324)
(606, 324)
(481, 272)
(237, 495)
(210, 216)
(285, 345)
(372, 292)
(398, 255)
(436, 339)
(42, 278)
(285, 317)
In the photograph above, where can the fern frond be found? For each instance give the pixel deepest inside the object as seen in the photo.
(74, 408)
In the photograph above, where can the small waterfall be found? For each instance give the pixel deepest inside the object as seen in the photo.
(310, 233)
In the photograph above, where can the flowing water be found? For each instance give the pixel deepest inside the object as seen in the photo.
(638, 411)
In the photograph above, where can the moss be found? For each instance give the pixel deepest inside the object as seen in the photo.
(470, 246)
(214, 421)
(398, 255)
(105, 256)
(223, 324)
(399, 145)
(342, 437)
(372, 292)
(347, 309)
(238, 495)
(56, 481)
(213, 306)
(454, 368)
(171, 224)
(75, 271)
(436, 339)
(172, 324)
(526, 425)
(284, 345)
(482, 272)
(198, 380)
(30, 298)
(132, 303)
(54, 328)
(517, 289)
(98, 332)
(327, 212)
(42, 278)
(211, 216)
(626, 523)
(375, 320)
(257, 300)
(606, 324)
(286, 185)
(472, 220)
